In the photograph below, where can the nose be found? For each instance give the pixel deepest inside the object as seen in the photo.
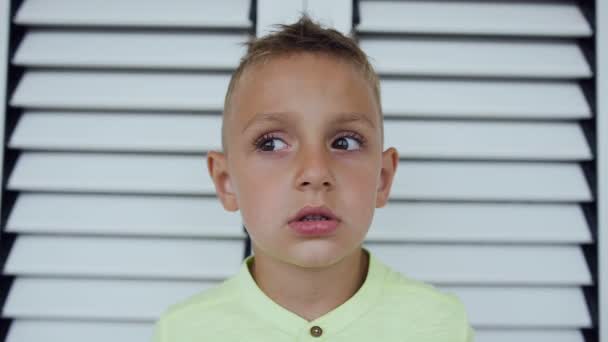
(314, 169)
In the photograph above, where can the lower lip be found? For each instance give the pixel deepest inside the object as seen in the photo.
(314, 228)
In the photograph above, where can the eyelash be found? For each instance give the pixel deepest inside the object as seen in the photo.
(268, 136)
(264, 138)
(360, 139)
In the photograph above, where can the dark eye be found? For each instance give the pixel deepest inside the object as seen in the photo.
(346, 143)
(271, 144)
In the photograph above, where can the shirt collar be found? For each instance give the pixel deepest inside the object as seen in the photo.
(333, 321)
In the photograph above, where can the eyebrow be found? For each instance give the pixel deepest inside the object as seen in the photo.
(283, 116)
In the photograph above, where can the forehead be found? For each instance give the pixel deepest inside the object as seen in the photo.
(305, 83)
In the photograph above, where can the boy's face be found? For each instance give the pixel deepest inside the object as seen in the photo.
(303, 130)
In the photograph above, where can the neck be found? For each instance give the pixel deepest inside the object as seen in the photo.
(310, 292)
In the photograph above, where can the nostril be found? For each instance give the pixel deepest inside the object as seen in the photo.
(325, 184)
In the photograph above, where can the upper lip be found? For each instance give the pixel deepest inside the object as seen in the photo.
(310, 210)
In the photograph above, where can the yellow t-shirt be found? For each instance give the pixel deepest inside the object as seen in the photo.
(387, 307)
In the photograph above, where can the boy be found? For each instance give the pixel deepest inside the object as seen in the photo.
(302, 160)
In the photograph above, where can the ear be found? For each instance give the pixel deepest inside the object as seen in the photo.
(390, 160)
(218, 170)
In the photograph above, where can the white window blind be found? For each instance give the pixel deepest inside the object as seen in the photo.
(484, 102)
(115, 214)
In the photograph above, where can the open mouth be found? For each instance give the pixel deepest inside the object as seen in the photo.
(314, 222)
(309, 213)
(314, 218)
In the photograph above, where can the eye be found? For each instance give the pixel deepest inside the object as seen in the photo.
(268, 143)
(347, 142)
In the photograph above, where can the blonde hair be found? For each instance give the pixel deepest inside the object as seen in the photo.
(303, 36)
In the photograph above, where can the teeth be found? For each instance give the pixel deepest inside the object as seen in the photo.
(314, 218)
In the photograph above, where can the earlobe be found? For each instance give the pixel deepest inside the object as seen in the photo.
(390, 161)
(217, 166)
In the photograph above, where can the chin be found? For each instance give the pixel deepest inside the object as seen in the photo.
(316, 254)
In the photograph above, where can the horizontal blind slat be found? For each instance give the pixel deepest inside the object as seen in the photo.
(528, 335)
(133, 300)
(421, 180)
(480, 222)
(155, 132)
(559, 19)
(480, 99)
(172, 132)
(476, 58)
(196, 259)
(133, 50)
(129, 257)
(443, 139)
(475, 181)
(123, 215)
(24, 330)
(121, 90)
(204, 217)
(96, 299)
(520, 307)
(200, 91)
(136, 13)
(486, 264)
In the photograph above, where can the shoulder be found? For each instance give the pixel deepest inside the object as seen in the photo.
(398, 286)
(426, 304)
(208, 309)
(206, 300)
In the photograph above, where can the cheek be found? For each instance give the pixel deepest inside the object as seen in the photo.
(251, 174)
(359, 177)
(358, 187)
(259, 186)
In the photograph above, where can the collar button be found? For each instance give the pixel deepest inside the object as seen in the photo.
(316, 331)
